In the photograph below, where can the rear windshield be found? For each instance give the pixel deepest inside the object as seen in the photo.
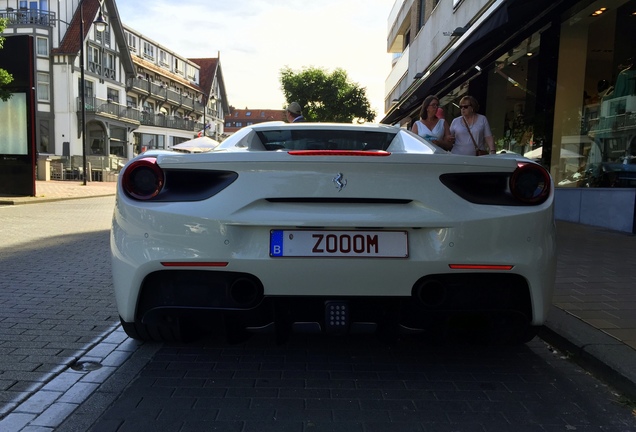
(305, 139)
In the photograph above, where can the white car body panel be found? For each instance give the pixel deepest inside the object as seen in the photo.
(234, 225)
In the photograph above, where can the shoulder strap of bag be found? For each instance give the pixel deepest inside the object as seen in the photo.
(470, 133)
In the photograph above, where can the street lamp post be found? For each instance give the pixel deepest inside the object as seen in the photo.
(100, 25)
(205, 108)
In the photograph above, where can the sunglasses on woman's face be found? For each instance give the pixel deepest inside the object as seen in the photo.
(464, 106)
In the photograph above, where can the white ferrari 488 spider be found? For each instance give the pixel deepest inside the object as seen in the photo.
(339, 228)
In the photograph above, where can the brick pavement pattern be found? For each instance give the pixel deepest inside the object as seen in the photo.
(596, 279)
(55, 291)
(351, 384)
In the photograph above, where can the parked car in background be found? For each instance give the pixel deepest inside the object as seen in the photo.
(335, 228)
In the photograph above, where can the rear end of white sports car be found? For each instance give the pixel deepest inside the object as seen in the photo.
(332, 228)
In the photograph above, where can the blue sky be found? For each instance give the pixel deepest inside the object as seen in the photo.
(258, 38)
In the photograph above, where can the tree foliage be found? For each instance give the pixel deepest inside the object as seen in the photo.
(326, 97)
(5, 77)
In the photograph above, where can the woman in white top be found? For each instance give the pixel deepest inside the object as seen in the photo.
(430, 127)
(471, 123)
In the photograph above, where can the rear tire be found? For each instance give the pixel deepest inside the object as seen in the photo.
(524, 336)
(512, 331)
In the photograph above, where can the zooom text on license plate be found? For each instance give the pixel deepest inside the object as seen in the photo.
(307, 243)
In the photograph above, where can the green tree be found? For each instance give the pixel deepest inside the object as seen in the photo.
(326, 97)
(5, 77)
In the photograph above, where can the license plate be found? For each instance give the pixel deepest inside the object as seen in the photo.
(319, 243)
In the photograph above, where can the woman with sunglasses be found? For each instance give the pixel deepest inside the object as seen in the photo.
(471, 130)
(430, 126)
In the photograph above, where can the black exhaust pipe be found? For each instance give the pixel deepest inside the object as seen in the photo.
(246, 292)
(430, 293)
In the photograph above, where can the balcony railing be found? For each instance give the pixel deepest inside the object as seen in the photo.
(28, 17)
(107, 107)
(167, 94)
(171, 122)
(112, 109)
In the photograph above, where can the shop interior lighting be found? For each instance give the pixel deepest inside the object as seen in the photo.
(598, 12)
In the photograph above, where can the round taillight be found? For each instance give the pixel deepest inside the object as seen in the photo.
(143, 179)
(530, 183)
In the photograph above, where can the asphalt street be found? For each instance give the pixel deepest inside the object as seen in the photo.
(58, 319)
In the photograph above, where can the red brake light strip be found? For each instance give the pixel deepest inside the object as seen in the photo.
(338, 153)
(480, 267)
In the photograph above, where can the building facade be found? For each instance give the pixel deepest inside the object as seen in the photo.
(239, 118)
(555, 78)
(138, 94)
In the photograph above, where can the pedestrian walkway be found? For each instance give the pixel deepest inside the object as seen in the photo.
(593, 317)
(56, 190)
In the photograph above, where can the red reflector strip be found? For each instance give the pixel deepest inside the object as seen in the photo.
(338, 153)
(194, 264)
(479, 267)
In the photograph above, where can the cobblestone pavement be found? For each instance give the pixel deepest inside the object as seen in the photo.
(55, 290)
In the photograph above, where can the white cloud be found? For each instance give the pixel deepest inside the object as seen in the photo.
(257, 39)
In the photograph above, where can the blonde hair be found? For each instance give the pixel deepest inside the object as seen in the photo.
(472, 100)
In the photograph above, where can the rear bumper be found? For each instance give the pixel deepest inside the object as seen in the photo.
(169, 296)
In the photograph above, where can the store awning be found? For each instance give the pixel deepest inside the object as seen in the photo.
(504, 24)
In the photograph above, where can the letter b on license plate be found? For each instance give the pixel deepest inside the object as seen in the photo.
(306, 243)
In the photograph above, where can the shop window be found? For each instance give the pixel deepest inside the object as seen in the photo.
(96, 142)
(511, 96)
(595, 112)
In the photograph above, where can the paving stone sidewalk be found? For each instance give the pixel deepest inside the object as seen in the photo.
(56, 190)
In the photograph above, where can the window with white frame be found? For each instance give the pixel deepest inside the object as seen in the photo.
(94, 60)
(109, 66)
(163, 58)
(44, 87)
(106, 36)
(132, 41)
(42, 46)
(112, 95)
(88, 88)
(93, 54)
(149, 50)
(179, 66)
(191, 71)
